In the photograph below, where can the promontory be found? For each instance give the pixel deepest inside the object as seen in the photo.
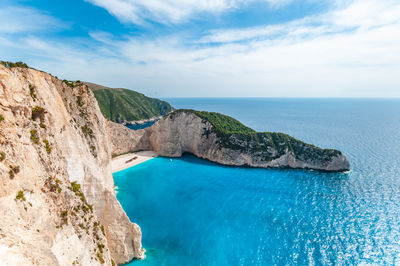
(57, 200)
(222, 139)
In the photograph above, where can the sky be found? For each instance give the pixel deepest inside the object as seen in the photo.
(212, 48)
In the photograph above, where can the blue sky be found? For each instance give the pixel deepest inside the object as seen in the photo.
(212, 48)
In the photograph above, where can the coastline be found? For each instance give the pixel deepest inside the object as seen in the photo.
(143, 121)
(125, 161)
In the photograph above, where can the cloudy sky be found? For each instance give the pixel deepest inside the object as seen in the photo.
(212, 48)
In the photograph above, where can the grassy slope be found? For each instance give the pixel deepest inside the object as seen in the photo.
(233, 134)
(120, 105)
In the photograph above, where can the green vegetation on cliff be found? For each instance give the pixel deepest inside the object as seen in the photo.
(234, 135)
(224, 123)
(121, 105)
(16, 64)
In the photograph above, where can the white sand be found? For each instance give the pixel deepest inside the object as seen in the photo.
(119, 163)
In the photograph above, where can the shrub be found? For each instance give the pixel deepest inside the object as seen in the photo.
(52, 185)
(11, 174)
(42, 125)
(87, 131)
(2, 156)
(100, 257)
(64, 216)
(79, 101)
(11, 64)
(75, 187)
(34, 136)
(1, 118)
(21, 64)
(93, 151)
(100, 247)
(20, 196)
(38, 111)
(69, 83)
(13, 171)
(85, 208)
(15, 168)
(47, 146)
(32, 92)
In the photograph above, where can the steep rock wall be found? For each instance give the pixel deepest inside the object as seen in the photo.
(185, 132)
(57, 200)
(124, 140)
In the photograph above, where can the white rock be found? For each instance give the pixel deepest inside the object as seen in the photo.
(30, 231)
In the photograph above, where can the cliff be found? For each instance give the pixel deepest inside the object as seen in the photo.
(124, 140)
(57, 201)
(122, 105)
(224, 140)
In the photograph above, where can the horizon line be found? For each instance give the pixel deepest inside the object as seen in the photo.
(280, 97)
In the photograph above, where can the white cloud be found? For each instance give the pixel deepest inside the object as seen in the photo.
(298, 28)
(348, 52)
(167, 11)
(363, 14)
(351, 51)
(14, 19)
(369, 13)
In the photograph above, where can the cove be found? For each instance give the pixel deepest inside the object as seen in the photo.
(194, 212)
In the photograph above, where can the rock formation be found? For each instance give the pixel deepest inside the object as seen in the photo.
(57, 199)
(188, 131)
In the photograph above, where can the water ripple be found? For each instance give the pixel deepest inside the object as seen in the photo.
(193, 212)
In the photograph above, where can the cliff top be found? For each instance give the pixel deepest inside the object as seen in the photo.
(123, 105)
(234, 135)
(222, 123)
(116, 104)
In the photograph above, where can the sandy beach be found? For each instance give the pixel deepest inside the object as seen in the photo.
(130, 159)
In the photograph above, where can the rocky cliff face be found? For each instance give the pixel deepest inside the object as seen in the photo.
(185, 131)
(57, 201)
(124, 140)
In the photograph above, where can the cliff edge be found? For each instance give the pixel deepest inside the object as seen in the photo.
(57, 199)
(224, 140)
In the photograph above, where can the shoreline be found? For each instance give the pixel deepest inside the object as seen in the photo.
(128, 160)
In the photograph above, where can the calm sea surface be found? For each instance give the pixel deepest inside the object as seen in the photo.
(193, 212)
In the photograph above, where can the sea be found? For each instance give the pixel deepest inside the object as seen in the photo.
(195, 212)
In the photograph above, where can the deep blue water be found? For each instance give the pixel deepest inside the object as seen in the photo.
(193, 212)
(140, 126)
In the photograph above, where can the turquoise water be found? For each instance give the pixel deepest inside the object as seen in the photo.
(193, 212)
(140, 126)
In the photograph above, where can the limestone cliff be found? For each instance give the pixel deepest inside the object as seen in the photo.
(57, 202)
(124, 140)
(213, 137)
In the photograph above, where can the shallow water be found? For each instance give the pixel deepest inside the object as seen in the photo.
(193, 212)
(141, 126)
